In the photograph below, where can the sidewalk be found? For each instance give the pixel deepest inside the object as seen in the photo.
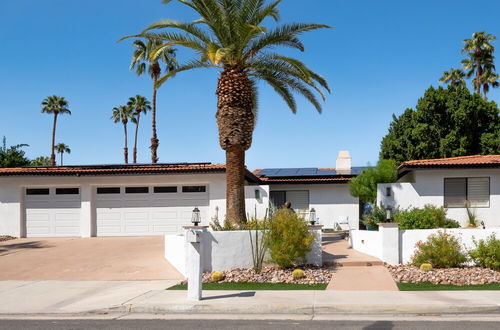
(91, 298)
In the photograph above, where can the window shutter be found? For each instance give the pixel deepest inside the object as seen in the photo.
(455, 192)
(298, 198)
(478, 192)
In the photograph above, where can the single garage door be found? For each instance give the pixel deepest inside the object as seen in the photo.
(148, 210)
(52, 212)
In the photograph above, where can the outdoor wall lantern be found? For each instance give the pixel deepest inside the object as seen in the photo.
(195, 217)
(312, 216)
(388, 214)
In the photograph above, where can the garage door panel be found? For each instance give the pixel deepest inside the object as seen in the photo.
(132, 229)
(165, 203)
(137, 203)
(38, 231)
(165, 228)
(109, 204)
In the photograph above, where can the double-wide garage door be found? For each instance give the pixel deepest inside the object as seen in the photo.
(147, 210)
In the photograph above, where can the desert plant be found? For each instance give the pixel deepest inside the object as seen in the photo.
(289, 238)
(487, 253)
(428, 217)
(297, 274)
(472, 218)
(216, 277)
(441, 250)
(426, 267)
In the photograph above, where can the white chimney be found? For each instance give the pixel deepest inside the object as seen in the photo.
(344, 161)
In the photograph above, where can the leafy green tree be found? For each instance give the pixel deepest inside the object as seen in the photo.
(364, 186)
(40, 161)
(234, 37)
(13, 156)
(144, 59)
(445, 123)
(480, 52)
(55, 105)
(454, 77)
(62, 148)
(139, 104)
(123, 114)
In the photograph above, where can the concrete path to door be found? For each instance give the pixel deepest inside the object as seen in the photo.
(86, 259)
(355, 271)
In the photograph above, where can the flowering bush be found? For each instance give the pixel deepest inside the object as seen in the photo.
(441, 250)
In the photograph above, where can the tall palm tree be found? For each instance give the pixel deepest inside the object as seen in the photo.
(139, 104)
(122, 114)
(62, 148)
(143, 60)
(230, 35)
(454, 77)
(480, 51)
(489, 78)
(55, 105)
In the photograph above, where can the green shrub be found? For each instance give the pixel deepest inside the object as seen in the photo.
(487, 253)
(289, 239)
(376, 215)
(429, 217)
(441, 250)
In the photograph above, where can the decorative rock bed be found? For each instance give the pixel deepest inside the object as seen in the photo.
(455, 276)
(4, 238)
(312, 275)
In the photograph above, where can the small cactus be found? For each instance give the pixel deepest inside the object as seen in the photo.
(425, 267)
(217, 277)
(298, 274)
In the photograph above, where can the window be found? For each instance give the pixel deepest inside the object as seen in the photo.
(108, 190)
(194, 189)
(388, 192)
(298, 198)
(136, 190)
(163, 190)
(460, 192)
(37, 191)
(67, 191)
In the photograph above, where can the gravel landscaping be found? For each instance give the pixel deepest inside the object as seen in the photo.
(455, 276)
(4, 238)
(313, 275)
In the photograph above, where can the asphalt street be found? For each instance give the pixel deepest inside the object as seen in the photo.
(237, 324)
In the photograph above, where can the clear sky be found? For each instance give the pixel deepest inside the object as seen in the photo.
(379, 59)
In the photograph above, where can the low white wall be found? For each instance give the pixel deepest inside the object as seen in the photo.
(225, 250)
(365, 241)
(409, 238)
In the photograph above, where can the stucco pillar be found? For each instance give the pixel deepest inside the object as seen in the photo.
(389, 234)
(86, 211)
(315, 256)
(194, 263)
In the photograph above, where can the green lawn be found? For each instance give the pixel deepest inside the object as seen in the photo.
(254, 286)
(427, 286)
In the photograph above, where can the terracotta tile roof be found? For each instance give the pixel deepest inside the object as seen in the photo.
(115, 169)
(476, 161)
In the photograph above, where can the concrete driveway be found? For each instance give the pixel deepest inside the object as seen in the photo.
(85, 259)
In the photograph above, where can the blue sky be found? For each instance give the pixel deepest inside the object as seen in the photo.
(379, 59)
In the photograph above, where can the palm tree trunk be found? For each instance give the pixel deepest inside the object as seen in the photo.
(235, 184)
(52, 154)
(154, 139)
(125, 149)
(135, 139)
(61, 159)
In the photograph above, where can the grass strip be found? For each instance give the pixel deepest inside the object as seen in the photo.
(254, 286)
(427, 286)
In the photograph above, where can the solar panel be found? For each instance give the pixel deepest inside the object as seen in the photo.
(307, 171)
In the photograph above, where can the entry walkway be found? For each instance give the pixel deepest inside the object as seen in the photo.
(354, 270)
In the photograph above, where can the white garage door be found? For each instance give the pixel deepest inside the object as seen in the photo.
(52, 212)
(147, 210)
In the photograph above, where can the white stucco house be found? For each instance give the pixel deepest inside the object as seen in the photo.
(158, 199)
(449, 182)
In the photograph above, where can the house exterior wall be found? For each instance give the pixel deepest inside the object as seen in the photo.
(12, 212)
(427, 187)
(330, 201)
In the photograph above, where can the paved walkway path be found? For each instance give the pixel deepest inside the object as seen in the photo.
(356, 270)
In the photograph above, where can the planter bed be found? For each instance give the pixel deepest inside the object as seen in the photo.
(426, 286)
(446, 276)
(254, 286)
(4, 238)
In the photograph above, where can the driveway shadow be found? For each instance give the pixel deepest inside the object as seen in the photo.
(9, 248)
(233, 295)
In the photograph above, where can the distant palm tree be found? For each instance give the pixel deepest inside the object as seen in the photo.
(140, 105)
(480, 51)
(232, 36)
(62, 148)
(123, 114)
(489, 78)
(454, 77)
(143, 59)
(55, 105)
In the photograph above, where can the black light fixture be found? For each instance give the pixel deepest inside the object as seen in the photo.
(388, 213)
(312, 216)
(195, 217)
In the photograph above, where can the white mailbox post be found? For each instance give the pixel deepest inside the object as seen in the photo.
(194, 268)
